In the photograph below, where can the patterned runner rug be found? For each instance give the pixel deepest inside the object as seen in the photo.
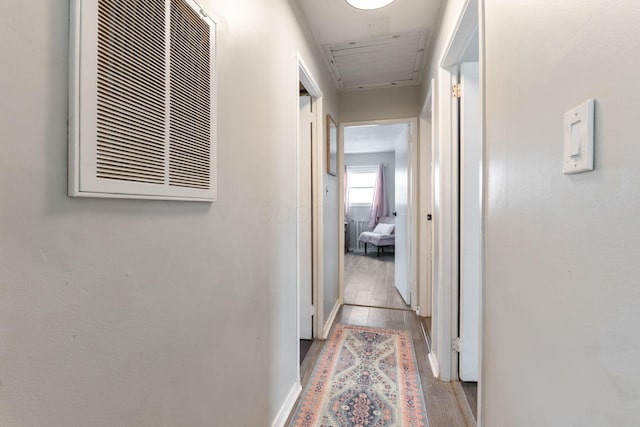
(364, 377)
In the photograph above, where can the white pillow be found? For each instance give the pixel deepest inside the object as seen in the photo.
(384, 228)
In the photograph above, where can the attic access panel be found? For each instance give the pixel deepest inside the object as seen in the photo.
(392, 60)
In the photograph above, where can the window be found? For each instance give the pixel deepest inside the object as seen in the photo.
(361, 181)
(142, 102)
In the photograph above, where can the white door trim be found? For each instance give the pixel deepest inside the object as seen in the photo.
(445, 326)
(413, 211)
(483, 209)
(304, 75)
(304, 217)
(445, 319)
(425, 176)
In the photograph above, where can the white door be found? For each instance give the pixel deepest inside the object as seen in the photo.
(305, 242)
(470, 220)
(402, 248)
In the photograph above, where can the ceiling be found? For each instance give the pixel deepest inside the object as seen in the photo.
(372, 138)
(367, 49)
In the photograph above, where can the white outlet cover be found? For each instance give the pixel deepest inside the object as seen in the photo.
(579, 138)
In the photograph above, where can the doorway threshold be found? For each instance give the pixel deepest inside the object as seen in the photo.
(346, 304)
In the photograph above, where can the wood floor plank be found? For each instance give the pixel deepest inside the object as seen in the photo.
(471, 394)
(370, 280)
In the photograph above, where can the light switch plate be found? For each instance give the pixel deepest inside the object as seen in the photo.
(579, 138)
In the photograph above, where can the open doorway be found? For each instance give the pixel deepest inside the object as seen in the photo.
(308, 144)
(377, 214)
(458, 207)
(306, 119)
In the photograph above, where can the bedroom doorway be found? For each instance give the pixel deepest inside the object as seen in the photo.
(377, 214)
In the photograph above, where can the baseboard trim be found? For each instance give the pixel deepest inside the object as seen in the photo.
(427, 338)
(435, 369)
(287, 406)
(332, 318)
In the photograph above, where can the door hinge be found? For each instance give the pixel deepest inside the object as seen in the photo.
(457, 90)
(456, 344)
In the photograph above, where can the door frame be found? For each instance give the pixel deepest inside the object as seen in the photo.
(413, 171)
(425, 225)
(444, 360)
(305, 77)
(470, 217)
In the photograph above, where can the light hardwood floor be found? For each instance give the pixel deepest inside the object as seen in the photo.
(369, 281)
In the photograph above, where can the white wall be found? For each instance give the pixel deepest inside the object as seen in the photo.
(380, 104)
(448, 20)
(331, 248)
(562, 332)
(117, 312)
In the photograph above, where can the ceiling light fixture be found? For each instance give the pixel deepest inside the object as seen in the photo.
(369, 4)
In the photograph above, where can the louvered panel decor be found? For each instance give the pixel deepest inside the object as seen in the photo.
(131, 91)
(190, 130)
(142, 100)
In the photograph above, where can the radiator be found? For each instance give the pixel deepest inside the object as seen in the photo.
(355, 228)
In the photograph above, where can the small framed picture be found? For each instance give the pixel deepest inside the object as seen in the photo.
(332, 146)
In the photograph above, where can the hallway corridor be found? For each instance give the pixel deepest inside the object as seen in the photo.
(171, 227)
